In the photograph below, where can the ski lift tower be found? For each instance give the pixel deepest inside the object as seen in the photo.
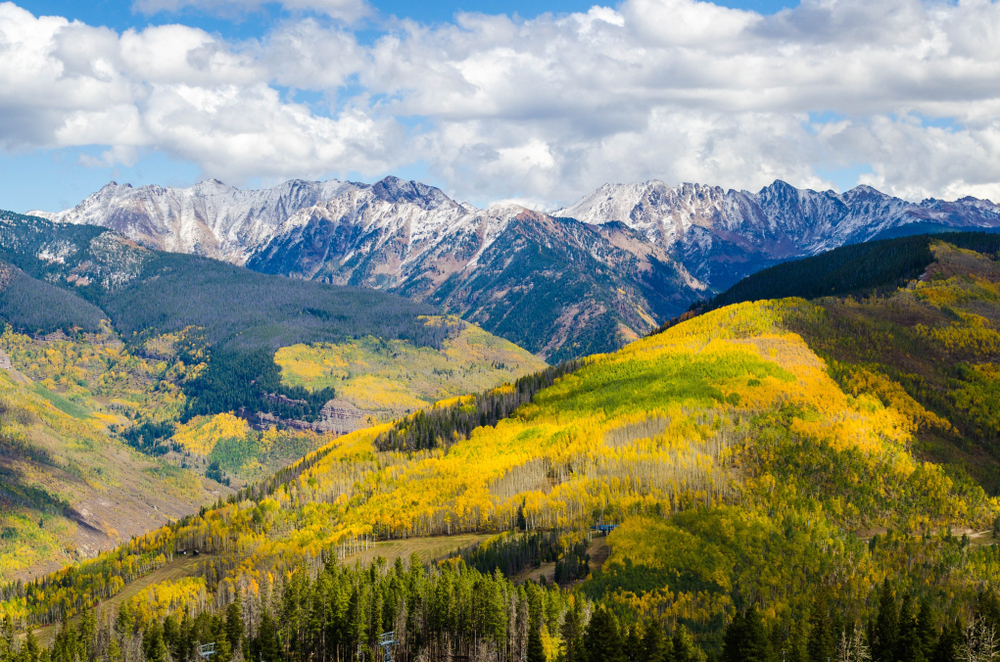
(387, 640)
(206, 651)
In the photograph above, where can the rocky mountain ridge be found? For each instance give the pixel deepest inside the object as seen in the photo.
(722, 235)
(632, 255)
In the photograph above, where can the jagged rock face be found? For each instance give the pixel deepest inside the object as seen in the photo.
(209, 219)
(586, 278)
(556, 287)
(721, 236)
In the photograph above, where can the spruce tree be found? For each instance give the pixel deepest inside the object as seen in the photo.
(734, 641)
(988, 609)
(603, 641)
(684, 649)
(268, 649)
(655, 646)
(536, 652)
(633, 644)
(947, 646)
(925, 630)
(818, 646)
(758, 647)
(234, 624)
(572, 635)
(153, 644)
(886, 627)
(907, 642)
(796, 645)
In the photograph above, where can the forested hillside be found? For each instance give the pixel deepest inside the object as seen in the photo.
(172, 358)
(928, 344)
(68, 489)
(757, 507)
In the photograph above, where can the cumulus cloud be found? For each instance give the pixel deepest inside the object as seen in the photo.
(348, 10)
(545, 109)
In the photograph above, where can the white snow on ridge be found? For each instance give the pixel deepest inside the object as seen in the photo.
(409, 229)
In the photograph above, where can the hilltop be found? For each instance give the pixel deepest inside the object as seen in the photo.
(745, 477)
(588, 278)
(170, 359)
(913, 320)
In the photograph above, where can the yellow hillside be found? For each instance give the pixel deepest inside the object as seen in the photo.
(390, 378)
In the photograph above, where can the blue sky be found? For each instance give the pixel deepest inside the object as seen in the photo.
(538, 103)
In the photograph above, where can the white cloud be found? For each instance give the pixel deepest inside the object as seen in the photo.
(348, 10)
(546, 109)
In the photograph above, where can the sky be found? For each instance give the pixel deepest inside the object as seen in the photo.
(533, 102)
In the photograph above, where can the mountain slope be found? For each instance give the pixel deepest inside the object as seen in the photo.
(637, 254)
(721, 236)
(557, 287)
(173, 356)
(742, 479)
(68, 488)
(209, 219)
(917, 321)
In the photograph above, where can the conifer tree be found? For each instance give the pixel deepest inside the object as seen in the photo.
(988, 608)
(758, 646)
(947, 645)
(268, 649)
(683, 647)
(536, 652)
(907, 642)
(795, 650)
(886, 628)
(633, 644)
(734, 640)
(572, 635)
(655, 646)
(153, 644)
(30, 650)
(234, 624)
(819, 647)
(603, 641)
(925, 630)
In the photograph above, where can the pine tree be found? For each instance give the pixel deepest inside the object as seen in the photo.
(758, 647)
(925, 630)
(907, 642)
(655, 646)
(886, 627)
(603, 641)
(88, 629)
(947, 646)
(153, 644)
(633, 644)
(234, 624)
(684, 649)
(988, 608)
(268, 649)
(536, 652)
(818, 646)
(734, 642)
(796, 646)
(572, 635)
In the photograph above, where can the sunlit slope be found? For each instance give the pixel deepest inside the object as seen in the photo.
(68, 489)
(663, 423)
(391, 378)
(930, 348)
(735, 465)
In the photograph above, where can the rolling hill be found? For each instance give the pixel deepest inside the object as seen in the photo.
(915, 320)
(165, 364)
(755, 491)
(587, 278)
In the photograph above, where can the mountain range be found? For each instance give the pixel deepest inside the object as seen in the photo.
(586, 278)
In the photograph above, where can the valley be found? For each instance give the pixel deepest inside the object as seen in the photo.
(795, 456)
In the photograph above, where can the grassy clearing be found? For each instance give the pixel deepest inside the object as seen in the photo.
(429, 549)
